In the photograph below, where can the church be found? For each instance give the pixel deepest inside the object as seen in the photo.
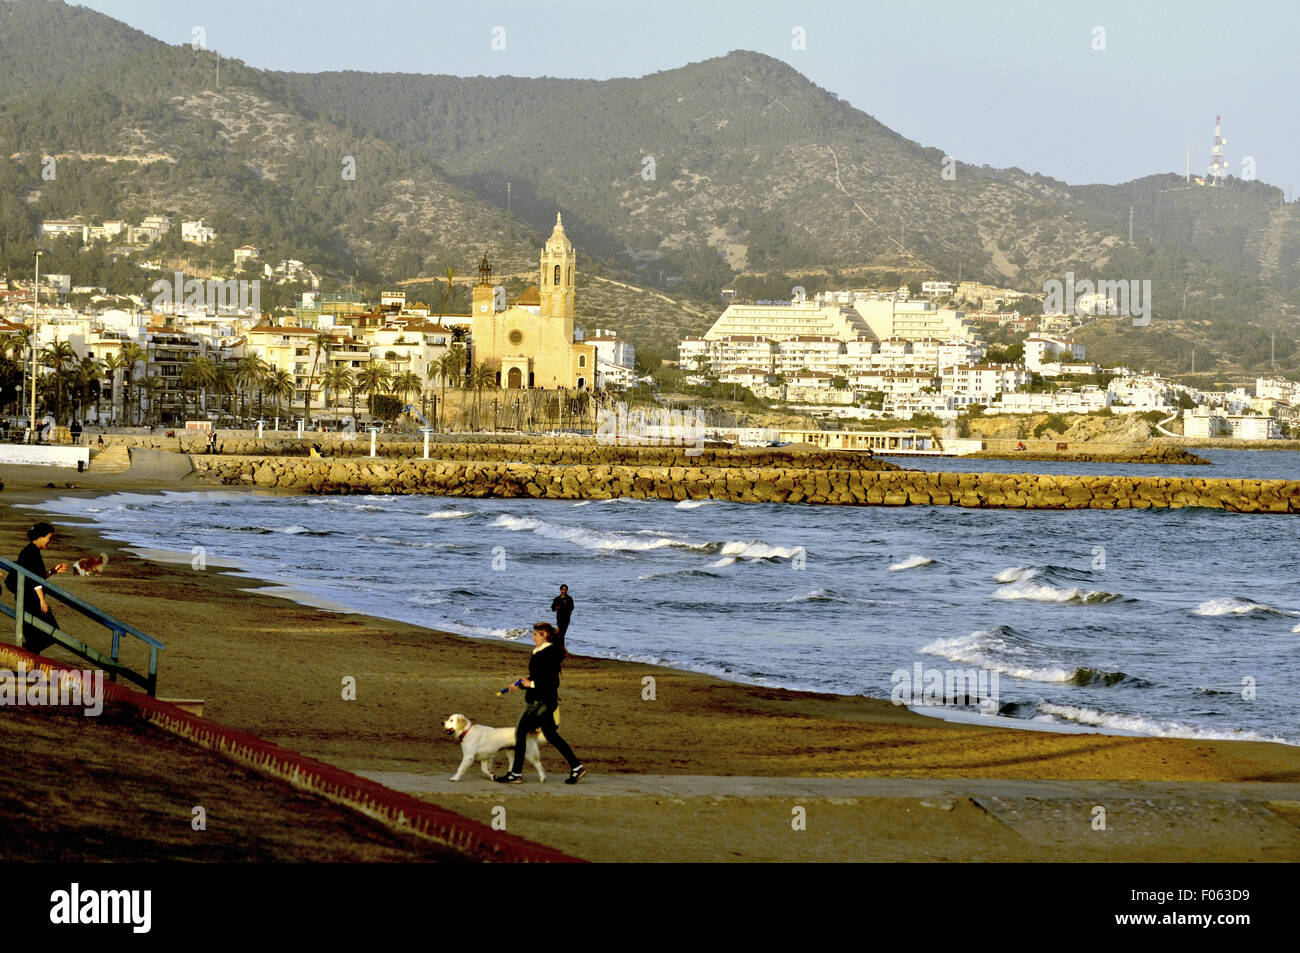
(530, 341)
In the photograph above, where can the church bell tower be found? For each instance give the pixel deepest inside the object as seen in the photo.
(558, 265)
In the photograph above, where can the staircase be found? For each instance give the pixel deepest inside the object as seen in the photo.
(111, 460)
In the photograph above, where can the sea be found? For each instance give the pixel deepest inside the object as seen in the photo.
(1181, 623)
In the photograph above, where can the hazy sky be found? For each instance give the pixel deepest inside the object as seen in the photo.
(1002, 82)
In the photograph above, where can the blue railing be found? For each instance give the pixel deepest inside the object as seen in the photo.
(109, 663)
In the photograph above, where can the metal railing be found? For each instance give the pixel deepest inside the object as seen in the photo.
(109, 663)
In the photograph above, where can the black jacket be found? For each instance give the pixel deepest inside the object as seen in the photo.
(30, 559)
(562, 606)
(544, 673)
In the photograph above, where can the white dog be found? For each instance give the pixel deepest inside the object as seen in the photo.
(481, 743)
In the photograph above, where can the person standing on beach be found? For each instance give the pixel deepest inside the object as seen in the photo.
(212, 442)
(39, 537)
(542, 694)
(562, 606)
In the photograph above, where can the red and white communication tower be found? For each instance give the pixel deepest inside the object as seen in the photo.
(1218, 162)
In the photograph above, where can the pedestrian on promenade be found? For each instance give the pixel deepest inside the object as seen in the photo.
(542, 697)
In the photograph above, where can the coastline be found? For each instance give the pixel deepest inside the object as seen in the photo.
(274, 667)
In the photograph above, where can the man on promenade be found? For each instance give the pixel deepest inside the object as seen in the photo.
(562, 606)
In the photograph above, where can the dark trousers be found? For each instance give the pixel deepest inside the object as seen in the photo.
(33, 639)
(540, 714)
(562, 625)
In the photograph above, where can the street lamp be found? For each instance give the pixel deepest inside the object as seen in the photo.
(36, 328)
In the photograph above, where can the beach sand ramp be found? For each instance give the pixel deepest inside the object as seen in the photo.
(159, 465)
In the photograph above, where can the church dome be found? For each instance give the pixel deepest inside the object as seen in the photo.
(559, 242)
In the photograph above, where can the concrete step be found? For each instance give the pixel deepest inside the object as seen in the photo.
(111, 460)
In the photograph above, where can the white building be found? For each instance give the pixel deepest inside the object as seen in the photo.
(197, 233)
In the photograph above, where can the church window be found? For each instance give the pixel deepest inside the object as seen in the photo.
(582, 360)
(557, 274)
(516, 337)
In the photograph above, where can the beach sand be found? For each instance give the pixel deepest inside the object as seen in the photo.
(276, 668)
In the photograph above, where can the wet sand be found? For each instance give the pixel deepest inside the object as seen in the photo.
(276, 668)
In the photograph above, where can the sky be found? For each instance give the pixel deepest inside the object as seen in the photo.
(1094, 91)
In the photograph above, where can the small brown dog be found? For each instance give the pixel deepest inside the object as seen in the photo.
(90, 565)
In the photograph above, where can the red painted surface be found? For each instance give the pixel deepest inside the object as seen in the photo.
(395, 810)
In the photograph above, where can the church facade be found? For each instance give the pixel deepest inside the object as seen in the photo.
(530, 340)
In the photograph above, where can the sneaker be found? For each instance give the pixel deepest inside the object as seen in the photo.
(576, 775)
(510, 778)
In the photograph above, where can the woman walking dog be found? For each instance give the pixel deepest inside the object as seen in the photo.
(542, 694)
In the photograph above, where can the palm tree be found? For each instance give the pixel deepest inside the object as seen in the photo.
(325, 346)
(480, 375)
(225, 384)
(201, 374)
(58, 356)
(89, 371)
(112, 364)
(374, 377)
(355, 386)
(407, 383)
(280, 384)
(132, 355)
(337, 378)
(151, 386)
(249, 374)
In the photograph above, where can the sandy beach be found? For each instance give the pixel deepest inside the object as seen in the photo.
(708, 770)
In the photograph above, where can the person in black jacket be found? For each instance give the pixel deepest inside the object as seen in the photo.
(562, 606)
(34, 601)
(542, 694)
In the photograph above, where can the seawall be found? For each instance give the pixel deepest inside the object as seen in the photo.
(746, 484)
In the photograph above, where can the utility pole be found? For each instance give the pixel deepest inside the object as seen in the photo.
(1188, 178)
(36, 327)
(507, 197)
(1193, 360)
(1130, 225)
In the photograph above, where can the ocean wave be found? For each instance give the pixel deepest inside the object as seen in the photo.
(423, 599)
(911, 562)
(1231, 605)
(1142, 724)
(394, 541)
(1046, 592)
(369, 508)
(293, 530)
(817, 595)
(678, 574)
(1003, 650)
(694, 504)
(753, 551)
(1016, 573)
(600, 541)
(447, 515)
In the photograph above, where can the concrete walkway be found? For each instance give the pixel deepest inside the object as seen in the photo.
(706, 818)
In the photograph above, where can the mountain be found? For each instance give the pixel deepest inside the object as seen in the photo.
(732, 172)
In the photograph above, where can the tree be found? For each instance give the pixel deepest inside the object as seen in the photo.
(89, 373)
(249, 373)
(112, 364)
(132, 355)
(280, 385)
(448, 366)
(406, 383)
(337, 378)
(58, 356)
(200, 373)
(151, 385)
(374, 378)
(480, 375)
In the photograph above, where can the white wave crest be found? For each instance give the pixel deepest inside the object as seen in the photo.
(911, 562)
(986, 649)
(753, 550)
(693, 504)
(1231, 605)
(448, 515)
(1142, 725)
(591, 539)
(1016, 573)
(1046, 592)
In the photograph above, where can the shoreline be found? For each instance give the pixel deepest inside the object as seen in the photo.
(705, 771)
(249, 581)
